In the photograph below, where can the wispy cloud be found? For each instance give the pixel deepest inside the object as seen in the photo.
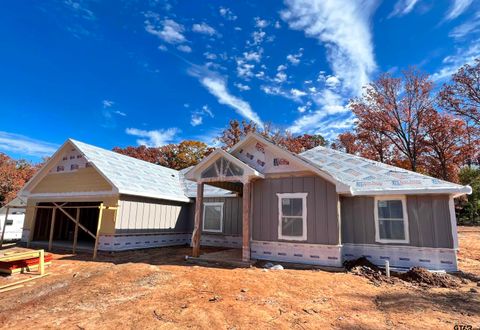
(294, 59)
(403, 7)
(168, 30)
(467, 28)
(107, 103)
(204, 28)
(457, 8)
(343, 27)
(184, 48)
(218, 88)
(154, 138)
(197, 115)
(23, 145)
(452, 63)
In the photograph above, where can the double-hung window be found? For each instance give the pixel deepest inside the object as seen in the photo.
(213, 217)
(292, 211)
(391, 219)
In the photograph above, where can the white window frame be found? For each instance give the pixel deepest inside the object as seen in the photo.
(303, 196)
(403, 199)
(205, 204)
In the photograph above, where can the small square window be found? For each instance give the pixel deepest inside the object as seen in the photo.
(60, 168)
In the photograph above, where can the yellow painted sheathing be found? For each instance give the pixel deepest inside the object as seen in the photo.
(82, 180)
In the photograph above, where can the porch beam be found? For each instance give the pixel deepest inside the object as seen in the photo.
(197, 231)
(246, 221)
(52, 226)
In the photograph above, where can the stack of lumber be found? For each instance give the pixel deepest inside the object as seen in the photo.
(12, 262)
(23, 265)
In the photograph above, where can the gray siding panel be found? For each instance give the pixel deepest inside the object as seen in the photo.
(322, 220)
(148, 215)
(428, 221)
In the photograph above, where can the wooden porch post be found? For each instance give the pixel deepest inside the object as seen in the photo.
(246, 221)
(197, 231)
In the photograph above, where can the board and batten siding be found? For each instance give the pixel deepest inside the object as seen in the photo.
(322, 218)
(232, 214)
(148, 215)
(428, 221)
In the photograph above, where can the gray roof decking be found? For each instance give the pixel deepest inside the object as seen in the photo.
(132, 176)
(365, 176)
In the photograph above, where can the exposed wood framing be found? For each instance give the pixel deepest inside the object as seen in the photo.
(4, 225)
(99, 224)
(246, 222)
(197, 231)
(52, 226)
(75, 233)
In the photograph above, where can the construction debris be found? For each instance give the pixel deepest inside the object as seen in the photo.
(416, 275)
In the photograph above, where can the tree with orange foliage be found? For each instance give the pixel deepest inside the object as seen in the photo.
(462, 97)
(177, 156)
(13, 176)
(446, 149)
(398, 108)
(347, 142)
(236, 130)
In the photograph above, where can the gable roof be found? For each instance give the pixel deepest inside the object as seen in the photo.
(368, 177)
(208, 191)
(127, 175)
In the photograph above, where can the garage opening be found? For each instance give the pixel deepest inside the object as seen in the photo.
(64, 227)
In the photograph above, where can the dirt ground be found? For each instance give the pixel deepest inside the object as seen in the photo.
(157, 289)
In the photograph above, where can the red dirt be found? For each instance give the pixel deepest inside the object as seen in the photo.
(158, 289)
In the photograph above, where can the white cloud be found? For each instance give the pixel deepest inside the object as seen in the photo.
(329, 103)
(344, 28)
(120, 113)
(206, 109)
(457, 8)
(280, 77)
(332, 81)
(168, 30)
(295, 58)
(242, 87)
(23, 145)
(204, 28)
(107, 103)
(184, 48)
(244, 69)
(227, 14)
(296, 93)
(196, 120)
(403, 7)
(217, 87)
(252, 56)
(258, 37)
(277, 25)
(210, 56)
(281, 67)
(452, 63)
(467, 28)
(163, 48)
(302, 109)
(261, 23)
(154, 138)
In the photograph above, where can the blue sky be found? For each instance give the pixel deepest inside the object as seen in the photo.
(118, 73)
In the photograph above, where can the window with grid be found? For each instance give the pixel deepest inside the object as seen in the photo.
(292, 216)
(391, 220)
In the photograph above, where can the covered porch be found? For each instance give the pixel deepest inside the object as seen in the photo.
(221, 169)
